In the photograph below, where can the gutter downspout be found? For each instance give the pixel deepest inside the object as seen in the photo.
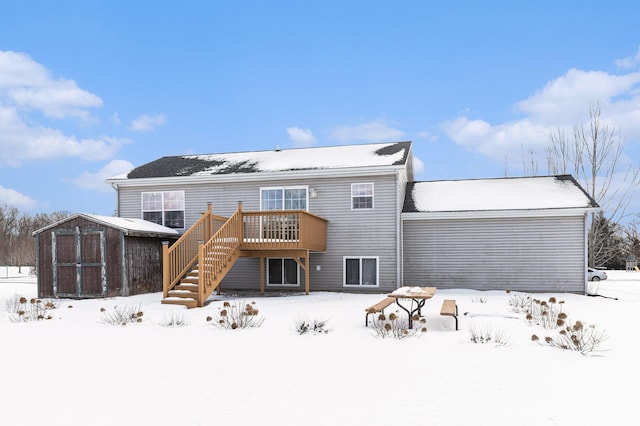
(399, 254)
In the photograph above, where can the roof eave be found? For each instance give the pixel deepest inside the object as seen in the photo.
(490, 214)
(258, 176)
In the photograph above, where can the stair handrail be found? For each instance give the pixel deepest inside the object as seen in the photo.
(217, 253)
(178, 259)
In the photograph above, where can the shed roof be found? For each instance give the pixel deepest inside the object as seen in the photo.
(501, 194)
(132, 227)
(278, 160)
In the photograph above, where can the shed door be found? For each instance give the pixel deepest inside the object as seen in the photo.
(79, 266)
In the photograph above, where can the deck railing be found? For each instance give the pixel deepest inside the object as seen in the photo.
(182, 255)
(283, 229)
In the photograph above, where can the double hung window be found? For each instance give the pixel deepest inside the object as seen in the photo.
(164, 208)
(361, 196)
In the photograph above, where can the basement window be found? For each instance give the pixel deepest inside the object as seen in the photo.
(360, 271)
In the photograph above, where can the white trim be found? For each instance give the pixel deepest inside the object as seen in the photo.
(256, 176)
(163, 210)
(344, 272)
(373, 198)
(491, 214)
(283, 188)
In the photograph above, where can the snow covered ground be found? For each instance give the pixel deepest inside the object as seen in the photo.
(76, 370)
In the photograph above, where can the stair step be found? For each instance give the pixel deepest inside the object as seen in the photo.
(186, 294)
(189, 303)
(186, 286)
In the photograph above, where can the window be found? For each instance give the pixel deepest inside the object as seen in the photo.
(361, 271)
(164, 208)
(282, 272)
(287, 198)
(361, 196)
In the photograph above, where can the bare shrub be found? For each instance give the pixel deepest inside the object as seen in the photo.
(483, 332)
(479, 300)
(238, 314)
(122, 315)
(547, 314)
(174, 319)
(579, 337)
(304, 325)
(519, 303)
(398, 328)
(22, 310)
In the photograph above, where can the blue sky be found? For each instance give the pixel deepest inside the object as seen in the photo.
(90, 89)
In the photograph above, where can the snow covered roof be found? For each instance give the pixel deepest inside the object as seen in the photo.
(279, 160)
(527, 193)
(133, 227)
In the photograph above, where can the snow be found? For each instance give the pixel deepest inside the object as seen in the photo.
(76, 370)
(124, 223)
(546, 192)
(304, 158)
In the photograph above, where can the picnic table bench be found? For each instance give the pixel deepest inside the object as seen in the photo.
(449, 308)
(378, 307)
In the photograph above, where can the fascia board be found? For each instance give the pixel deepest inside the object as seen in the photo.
(258, 176)
(498, 214)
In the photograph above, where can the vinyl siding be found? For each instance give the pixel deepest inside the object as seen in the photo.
(349, 232)
(539, 254)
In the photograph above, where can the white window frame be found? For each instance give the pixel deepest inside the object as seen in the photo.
(282, 259)
(354, 186)
(360, 258)
(283, 189)
(163, 206)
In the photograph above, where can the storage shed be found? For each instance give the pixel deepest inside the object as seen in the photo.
(92, 256)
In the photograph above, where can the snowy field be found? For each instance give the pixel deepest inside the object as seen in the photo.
(76, 370)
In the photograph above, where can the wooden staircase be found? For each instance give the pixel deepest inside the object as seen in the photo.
(194, 266)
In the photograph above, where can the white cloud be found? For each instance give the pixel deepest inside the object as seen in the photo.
(563, 102)
(629, 62)
(116, 119)
(301, 138)
(19, 142)
(147, 123)
(28, 85)
(96, 181)
(428, 136)
(15, 199)
(372, 131)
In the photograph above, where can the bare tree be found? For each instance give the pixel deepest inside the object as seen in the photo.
(594, 158)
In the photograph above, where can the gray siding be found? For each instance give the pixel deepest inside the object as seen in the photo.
(522, 254)
(349, 232)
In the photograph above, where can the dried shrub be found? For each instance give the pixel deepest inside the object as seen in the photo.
(174, 319)
(519, 303)
(546, 314)
(482, 332)
(579, 337)
(235, 315)
(304, 325)
(20, 309)
(479, 300)
(122, 315)
(396, 327)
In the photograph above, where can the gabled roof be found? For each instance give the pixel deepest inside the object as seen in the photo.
(132, 227)
(279, 160)
(502, 194)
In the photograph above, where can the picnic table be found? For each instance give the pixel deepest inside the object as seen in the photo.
(417, 297)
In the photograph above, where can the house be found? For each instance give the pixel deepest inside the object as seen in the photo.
(351, 218)
(87, 256)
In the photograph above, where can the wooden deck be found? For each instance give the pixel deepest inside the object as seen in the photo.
(194, 266)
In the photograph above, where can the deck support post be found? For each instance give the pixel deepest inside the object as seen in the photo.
(262, 273)
(165, 269)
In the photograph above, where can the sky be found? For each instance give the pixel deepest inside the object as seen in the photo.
(92, 89)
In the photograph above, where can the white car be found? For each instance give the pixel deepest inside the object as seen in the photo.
(596, 274)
